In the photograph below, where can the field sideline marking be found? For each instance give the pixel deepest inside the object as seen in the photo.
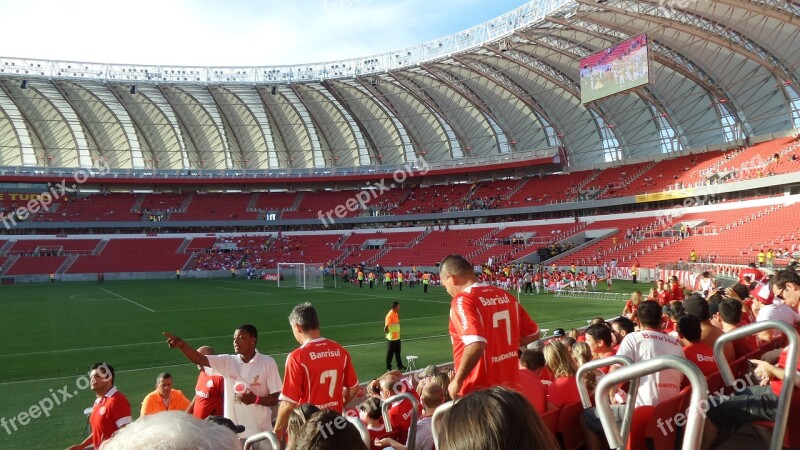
(243, 306)
(243, 290)
(68, 350)
(8, 383)
(129, 300)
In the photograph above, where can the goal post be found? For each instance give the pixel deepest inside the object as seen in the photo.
(301, 275)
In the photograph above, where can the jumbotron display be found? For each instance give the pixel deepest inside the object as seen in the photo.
(615, 69)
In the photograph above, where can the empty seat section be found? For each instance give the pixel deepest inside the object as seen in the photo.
(548, 189)
(200, 244)
(435, 246)
(43, 245)
(217, 207)
(275, 201)
(133, 255)
(315, 203)
(115, 207)
(435, 199)
(36, 265)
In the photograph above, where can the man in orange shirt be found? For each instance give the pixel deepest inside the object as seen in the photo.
(392, 329)
(164, 398)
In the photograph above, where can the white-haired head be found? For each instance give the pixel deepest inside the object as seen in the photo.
(173, 430)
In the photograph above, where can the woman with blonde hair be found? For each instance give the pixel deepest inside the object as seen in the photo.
(563, 389)
(632, 305)
(582, 355)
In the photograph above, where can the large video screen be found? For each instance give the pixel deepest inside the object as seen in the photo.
(615, 69)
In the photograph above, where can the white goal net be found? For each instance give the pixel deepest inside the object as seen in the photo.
(301, 275)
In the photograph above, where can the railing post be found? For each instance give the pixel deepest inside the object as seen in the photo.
(790, 371)
(695, 420)
(412, 430)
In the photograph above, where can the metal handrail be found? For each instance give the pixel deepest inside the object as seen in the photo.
(412, 430)
(586, 398)
(441, 412)
(790, 371)
(695, 420)
(362, 429)
(263, 436)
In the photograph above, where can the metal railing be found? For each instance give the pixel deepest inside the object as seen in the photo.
(695, 420)
(362, 429)
(492, 30)
(263, 436)
(412, 430)
(790, 371)
(586, 398)
(441, 412)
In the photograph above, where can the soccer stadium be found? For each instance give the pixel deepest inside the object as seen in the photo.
(588, 159)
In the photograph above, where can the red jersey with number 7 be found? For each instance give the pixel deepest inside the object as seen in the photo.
(483, 313)
(316, 373)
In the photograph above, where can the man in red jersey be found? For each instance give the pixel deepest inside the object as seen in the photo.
(209, 392)
(487, 326)
(319, 372)
(111, 410)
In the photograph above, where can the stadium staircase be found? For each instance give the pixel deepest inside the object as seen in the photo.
(251, 206)
(137, 205)
(100, 246)
(8, 263)
(184, 244)
(6, 247)
(186, 203)
(66, 264)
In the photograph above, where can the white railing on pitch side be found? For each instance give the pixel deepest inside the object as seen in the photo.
(494, 30)
(784, 400)
(593, 295)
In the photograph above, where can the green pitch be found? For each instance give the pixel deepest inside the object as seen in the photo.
(52, 333)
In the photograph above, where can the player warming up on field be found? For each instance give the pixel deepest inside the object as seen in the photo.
(487, 326)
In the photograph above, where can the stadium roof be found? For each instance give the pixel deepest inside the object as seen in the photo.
(721, 71)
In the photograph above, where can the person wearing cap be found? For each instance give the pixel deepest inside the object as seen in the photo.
(697, 306)
(769, 309)
(756, 402)
(559, 333)
(164, 398)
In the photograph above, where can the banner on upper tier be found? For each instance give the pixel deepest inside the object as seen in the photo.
(665, 195)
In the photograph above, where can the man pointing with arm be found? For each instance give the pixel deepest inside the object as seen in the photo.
(252, 381)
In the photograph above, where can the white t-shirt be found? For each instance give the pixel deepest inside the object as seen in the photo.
(781, 312)
(260, 376)
(645, 345)
(424, 438)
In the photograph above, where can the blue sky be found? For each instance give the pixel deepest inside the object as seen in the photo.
(231, 32)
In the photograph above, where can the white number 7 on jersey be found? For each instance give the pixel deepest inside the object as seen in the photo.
(504, 316)
(329, 374)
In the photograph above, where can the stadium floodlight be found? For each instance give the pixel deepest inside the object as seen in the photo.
(301, 275)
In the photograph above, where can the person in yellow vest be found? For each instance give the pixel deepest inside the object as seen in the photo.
(400, 279)
(693, 256)
(392, 329)
(426, 280)
(770, 258)
(634, 272)
(761, 258)
(371, 278)
(387, 280)
(360, 278)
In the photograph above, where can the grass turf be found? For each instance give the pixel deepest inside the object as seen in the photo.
(54, 332)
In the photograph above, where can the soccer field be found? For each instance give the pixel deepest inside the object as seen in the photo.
(52, 333)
